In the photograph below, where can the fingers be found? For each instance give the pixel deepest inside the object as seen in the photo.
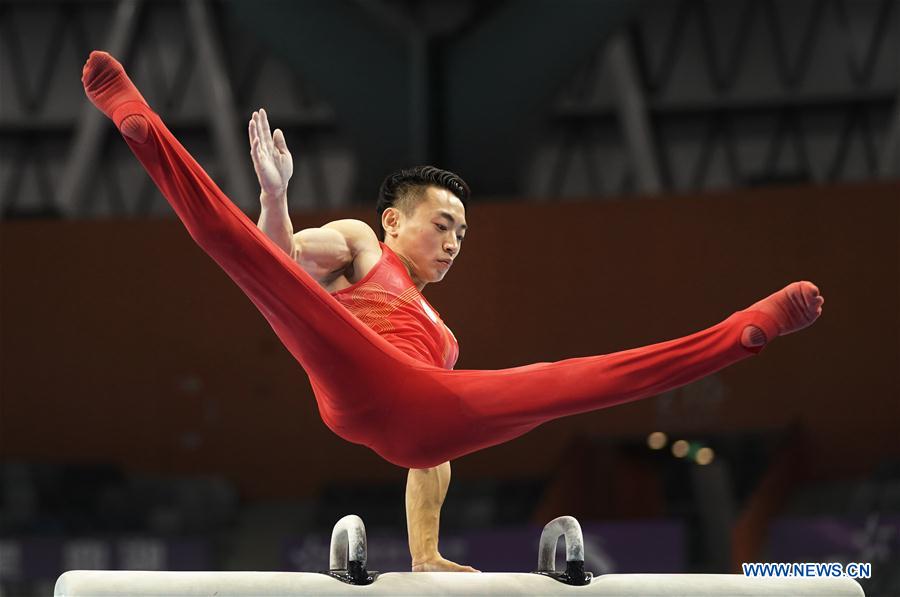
(254, 153)
(254, 130)
(251, 130)
(253, 133)
(265, 132)
(258, 128)
(280, 143)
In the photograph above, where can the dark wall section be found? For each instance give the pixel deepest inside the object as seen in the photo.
(122, 342)
(474, 98)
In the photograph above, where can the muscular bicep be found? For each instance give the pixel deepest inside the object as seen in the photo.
(321, 251)
(331, 249)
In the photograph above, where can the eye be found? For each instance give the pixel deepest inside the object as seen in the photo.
(441, 227)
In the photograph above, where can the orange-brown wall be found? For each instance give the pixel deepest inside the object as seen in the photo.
(122, 342)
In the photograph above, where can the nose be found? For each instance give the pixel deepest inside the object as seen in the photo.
(451, 246)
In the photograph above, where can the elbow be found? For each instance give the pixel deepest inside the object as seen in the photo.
(294, 248)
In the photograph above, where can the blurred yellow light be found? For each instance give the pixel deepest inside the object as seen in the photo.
(657, 440)
(680, 448)
(704, 456)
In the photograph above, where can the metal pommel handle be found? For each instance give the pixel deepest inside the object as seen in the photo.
(348, 543)
(568, 527)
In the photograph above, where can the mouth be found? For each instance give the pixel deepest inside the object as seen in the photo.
(446, 262)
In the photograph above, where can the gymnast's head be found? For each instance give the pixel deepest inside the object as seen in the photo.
(422, 218)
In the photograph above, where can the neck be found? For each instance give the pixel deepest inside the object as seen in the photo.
(407, 264)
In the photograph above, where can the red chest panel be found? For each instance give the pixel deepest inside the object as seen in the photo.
(389, 303)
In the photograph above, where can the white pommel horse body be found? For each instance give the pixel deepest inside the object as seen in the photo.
(348, 577)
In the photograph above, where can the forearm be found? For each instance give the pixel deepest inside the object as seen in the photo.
(425, 493)
(275, 222)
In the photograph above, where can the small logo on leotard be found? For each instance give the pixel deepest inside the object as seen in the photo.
(431, 314)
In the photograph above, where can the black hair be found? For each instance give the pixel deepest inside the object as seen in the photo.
(396, 186)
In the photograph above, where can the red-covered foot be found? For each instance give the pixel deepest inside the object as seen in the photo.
(108, 87)
(793, 308)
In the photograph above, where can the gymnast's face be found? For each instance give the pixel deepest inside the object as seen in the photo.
(428, 238)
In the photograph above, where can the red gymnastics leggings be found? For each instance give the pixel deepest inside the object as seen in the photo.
(369, 392)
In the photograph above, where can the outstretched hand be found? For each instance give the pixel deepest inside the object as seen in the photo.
(271, 158)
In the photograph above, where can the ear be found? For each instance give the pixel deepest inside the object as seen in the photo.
(390, 221)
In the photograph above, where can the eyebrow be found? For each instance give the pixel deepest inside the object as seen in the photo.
(452, 219)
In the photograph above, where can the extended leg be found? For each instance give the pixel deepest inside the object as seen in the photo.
(485, 408)
(318, 331)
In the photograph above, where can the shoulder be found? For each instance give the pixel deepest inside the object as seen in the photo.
(359, 235)
(364, 248)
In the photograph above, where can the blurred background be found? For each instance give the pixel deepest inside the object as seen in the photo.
(640, 169)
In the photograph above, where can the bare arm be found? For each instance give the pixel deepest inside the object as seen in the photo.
(275, 222)
(425, 493)
(329, 250)
(322, 252)
(274, 167)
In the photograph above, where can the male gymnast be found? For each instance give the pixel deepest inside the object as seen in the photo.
(349, 309)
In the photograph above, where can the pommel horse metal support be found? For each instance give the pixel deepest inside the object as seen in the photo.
(347, 561)
(568, 527)
(347, 576)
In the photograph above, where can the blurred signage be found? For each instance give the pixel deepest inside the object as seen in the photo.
(870, 538)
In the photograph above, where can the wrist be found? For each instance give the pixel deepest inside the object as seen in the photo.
(273, 198)
(424, 550)
(419, 559)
